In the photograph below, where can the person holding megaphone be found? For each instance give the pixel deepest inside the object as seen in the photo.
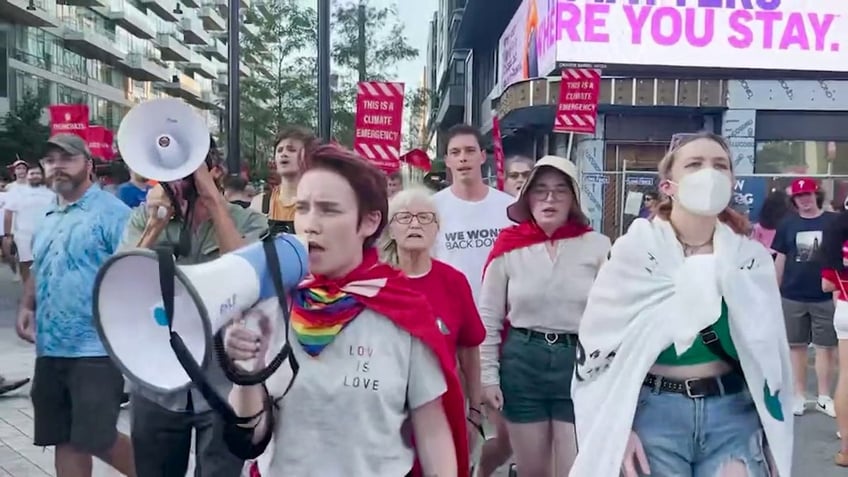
(376, 387)
(192, 217)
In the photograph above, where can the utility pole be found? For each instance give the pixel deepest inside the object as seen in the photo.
(233, 87)
(324, 120)
(361, 46)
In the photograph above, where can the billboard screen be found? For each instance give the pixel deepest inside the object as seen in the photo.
(521, 53)
(787, 35)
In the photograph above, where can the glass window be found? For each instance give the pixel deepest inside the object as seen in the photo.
(4, 66)
(801, 157)
(68, 95)
(28, 84)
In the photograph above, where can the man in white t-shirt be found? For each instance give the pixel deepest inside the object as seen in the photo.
(23, 210)
(471, 215)
(19, 170)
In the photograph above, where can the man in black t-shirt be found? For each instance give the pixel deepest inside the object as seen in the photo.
(807, 310)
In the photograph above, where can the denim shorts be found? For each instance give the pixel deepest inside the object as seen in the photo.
(697, 437)
(536, 379)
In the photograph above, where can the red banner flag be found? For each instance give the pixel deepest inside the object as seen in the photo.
(69, 118)
(100, 142)
(577, 109)
(417, 159)
(497, 145)
(379, 118)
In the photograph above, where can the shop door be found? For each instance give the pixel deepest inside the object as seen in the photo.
(635, 167)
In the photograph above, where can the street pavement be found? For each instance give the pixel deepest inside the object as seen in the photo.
(815, 439)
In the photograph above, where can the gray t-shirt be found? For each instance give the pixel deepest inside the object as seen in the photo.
(346, 409)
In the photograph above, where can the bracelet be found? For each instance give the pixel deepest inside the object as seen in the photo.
(249, 419)
(474, 409)
(478, 427)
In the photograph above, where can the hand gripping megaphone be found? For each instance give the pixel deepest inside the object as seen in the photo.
(160, 322)
(163, 139)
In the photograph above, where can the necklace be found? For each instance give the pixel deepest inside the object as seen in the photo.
(689, 248)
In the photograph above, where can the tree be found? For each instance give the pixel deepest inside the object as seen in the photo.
(386, 45)
(23, 135)
(416, 109)
(288, 93)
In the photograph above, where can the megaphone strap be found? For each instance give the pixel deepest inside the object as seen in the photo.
(167, 274)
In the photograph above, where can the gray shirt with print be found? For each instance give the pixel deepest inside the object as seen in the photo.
(347, 412)
(204, 247)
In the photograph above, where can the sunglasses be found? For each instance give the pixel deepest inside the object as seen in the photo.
(679, 139)
(518, 175)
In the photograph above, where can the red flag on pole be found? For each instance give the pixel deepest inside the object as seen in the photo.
(417, 159)
(100, 142)
(497, 144)
(69, 118)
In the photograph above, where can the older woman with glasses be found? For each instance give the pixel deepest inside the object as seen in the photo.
(540, 271)
(406, 244)
(517, 171)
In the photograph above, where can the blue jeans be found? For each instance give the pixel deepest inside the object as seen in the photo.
(685, 437)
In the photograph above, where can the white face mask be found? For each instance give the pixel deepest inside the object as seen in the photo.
(706, 192)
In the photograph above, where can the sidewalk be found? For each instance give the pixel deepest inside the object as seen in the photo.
(18, 457)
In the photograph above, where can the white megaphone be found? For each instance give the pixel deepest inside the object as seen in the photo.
(130, 317)
(163, 139)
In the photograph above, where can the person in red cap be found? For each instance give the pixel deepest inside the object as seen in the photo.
(808, 311)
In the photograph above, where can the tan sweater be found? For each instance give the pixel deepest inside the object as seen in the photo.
(541, 293)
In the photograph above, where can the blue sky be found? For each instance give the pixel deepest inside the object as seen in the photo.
(415, 15)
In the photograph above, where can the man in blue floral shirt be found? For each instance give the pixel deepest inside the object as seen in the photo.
(76, 390)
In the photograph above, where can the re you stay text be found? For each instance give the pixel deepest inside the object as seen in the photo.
(697, 27)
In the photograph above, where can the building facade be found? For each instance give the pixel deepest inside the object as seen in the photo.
(779, 123)
(112, 54)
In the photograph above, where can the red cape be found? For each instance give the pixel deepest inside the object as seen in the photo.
(523, 235)
(410, 311)
(527, 233)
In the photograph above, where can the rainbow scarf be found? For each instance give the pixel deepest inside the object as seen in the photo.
(319, 315)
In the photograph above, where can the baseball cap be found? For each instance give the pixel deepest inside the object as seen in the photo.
(70, 143)
(19, 162)
(520, 210)
(803, 185)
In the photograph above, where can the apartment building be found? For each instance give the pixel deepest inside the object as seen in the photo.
(112, 54)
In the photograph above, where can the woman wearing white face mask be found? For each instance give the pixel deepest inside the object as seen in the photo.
(683, 365)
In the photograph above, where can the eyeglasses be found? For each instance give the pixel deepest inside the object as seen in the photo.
(542, 194)
(518, 175)
(423, 218)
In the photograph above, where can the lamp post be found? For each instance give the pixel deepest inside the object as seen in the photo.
(324, 120)
(233, 52)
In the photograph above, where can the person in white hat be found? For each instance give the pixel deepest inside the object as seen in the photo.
(540, 271)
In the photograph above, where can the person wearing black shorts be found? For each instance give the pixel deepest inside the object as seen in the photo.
(76, 389)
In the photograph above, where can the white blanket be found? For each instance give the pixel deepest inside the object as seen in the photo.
(649, 296)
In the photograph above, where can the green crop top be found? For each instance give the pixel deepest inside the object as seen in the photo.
(699, 353)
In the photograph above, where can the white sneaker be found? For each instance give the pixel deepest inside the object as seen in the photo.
(824, 405)
(838, 435)
(799, 406)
